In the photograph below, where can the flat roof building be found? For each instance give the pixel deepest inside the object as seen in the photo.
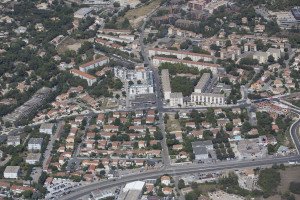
(176, 99)
(82, 13)
(12, 172)
(13, 140)
(89, 78)
(33, 158)
(165, 81)
(203, 83)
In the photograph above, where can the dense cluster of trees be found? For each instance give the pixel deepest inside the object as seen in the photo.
(268, 180)
(179, 68)
(230, 184)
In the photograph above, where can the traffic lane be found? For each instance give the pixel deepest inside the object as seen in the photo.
(148, 175)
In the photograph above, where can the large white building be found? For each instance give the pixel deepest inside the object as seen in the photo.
(203, 83)
(35, 143)
(13, 140)
(200, 65)
(94, 63)
(207, 98)
(47, 128)
(181, 54)
(33, 158)
(83, 13)
(165, 81)
(141, 78)
(11, 172)
(89, 78)
(176, 99)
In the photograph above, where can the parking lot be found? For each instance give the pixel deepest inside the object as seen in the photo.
(35, 174)
(61, 187)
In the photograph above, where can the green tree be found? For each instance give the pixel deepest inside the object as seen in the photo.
(181, 184)
(116, 4)
(271, 59)
(268, 180)
(27, 194)
(229, 126)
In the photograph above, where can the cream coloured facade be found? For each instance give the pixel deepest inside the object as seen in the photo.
(207, 98)
(181, 54)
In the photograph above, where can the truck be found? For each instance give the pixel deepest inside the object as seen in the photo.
(293, 162)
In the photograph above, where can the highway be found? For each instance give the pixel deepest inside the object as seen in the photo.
(176, 171)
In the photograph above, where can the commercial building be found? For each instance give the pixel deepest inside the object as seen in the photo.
(95, 63)
(13, 140)
(181, 54)
(35, 143)
(83, 13)
(288, 19)
(98, 194)
(12, 172)
(23, 111)
(165, 81)
(176, 99)
(250, 147)
(33, 158)
(132, 191)
(201, 149)
(47, 128)
(89, 78)
(203, 83)
(200, 65)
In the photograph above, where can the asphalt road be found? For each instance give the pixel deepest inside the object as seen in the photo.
(176, 171)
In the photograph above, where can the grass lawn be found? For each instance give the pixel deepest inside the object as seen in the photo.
(135, 16)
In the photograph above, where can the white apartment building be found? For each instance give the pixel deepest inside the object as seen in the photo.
(95, 63)
(181, 54)
(35, 143)
(207, 98)
(33, 158)
(176, 99)
(89, 78)
(203, 83)
(165, 81)
(142, 80)
(47, 128)
(12, 172)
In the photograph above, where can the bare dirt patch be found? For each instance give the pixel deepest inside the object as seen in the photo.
(136, 16)
(70, 44)
(173, 124)
(287, 176)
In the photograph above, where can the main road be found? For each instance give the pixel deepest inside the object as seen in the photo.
(176, 171)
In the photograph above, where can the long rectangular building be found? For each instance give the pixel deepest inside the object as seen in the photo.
(89, 78)
(207, 98)
(202, 84)
(165, 81)
(181, 54)
(114, 38)
(200, 65)
(94, 63)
